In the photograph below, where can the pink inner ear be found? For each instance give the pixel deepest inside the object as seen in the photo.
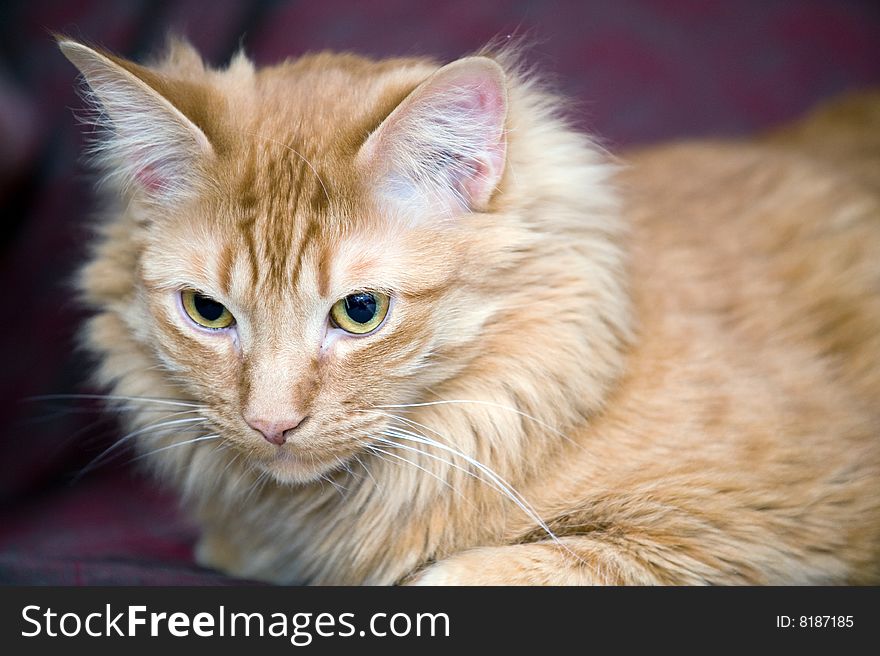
(445, 145)
(479, 101)
(485, 103)
(483, 97)
(149, 178)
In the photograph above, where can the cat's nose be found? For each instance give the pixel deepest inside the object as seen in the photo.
(274, 430)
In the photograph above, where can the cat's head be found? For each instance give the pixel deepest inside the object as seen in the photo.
(299, 246)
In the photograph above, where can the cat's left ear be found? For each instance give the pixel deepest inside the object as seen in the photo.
(147, 142)
(442, 150)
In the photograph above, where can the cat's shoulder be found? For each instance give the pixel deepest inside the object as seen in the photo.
(839, 141)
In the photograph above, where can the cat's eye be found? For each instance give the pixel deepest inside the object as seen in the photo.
(360, 313)
(205, 311)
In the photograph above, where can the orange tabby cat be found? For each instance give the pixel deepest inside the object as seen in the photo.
(387, 321)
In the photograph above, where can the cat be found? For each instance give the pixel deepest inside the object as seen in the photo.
(385, 322)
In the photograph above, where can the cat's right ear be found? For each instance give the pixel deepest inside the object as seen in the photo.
(147, 144)
(442, 150)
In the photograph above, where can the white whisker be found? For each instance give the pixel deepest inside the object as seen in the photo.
(176, 445)
(114, 397)
(367, 471)
(506, 490)
(154, 430)
(230, 463)
(376, 449)
(490, 404)
(493, 476)
(341, 489)
(257, 485)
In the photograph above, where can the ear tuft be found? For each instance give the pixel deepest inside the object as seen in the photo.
(145, 144)
(442, 150)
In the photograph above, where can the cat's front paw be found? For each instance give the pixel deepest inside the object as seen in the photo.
(487, 566)
(440, 573)
(522, 564)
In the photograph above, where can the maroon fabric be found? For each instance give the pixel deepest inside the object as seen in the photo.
(638, 71)
(109, 528)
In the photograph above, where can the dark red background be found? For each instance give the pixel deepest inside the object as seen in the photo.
(639, 71)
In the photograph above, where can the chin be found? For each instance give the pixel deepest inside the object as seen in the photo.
(290, 468)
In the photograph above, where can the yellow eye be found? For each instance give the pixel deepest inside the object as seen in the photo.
(205, 311)
(360, 313)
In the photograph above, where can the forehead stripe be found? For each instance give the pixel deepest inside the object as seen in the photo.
(226, 260)
(310, 235)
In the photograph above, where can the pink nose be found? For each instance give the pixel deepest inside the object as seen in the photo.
(273, 430)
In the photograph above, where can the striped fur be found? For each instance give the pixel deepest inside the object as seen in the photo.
(677, 388)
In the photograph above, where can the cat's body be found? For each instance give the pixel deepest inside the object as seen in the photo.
(680, 389)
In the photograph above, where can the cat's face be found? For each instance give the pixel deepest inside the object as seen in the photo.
(319, 325)
(293, 276)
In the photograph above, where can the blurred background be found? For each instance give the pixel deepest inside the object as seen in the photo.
(639, 71)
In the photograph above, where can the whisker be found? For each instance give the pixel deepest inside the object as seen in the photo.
(499, 484)
(257, 485)
(266, 480)
(244, 472)
(504, 486)
(229, 464)
(54, 411)
(491, 404)
(433, 456)
(378, 487)
(112, 429)
(366, 470)
(93, 465)
(339, 488)
(159, 429)
(85, 430)
(348, 469)
(176, 445)
(376, 449)
(113, 397)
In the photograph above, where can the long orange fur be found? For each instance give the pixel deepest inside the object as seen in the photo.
(663, 369)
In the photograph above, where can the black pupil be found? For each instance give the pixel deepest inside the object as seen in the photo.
(207, 307)
(360, 308)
